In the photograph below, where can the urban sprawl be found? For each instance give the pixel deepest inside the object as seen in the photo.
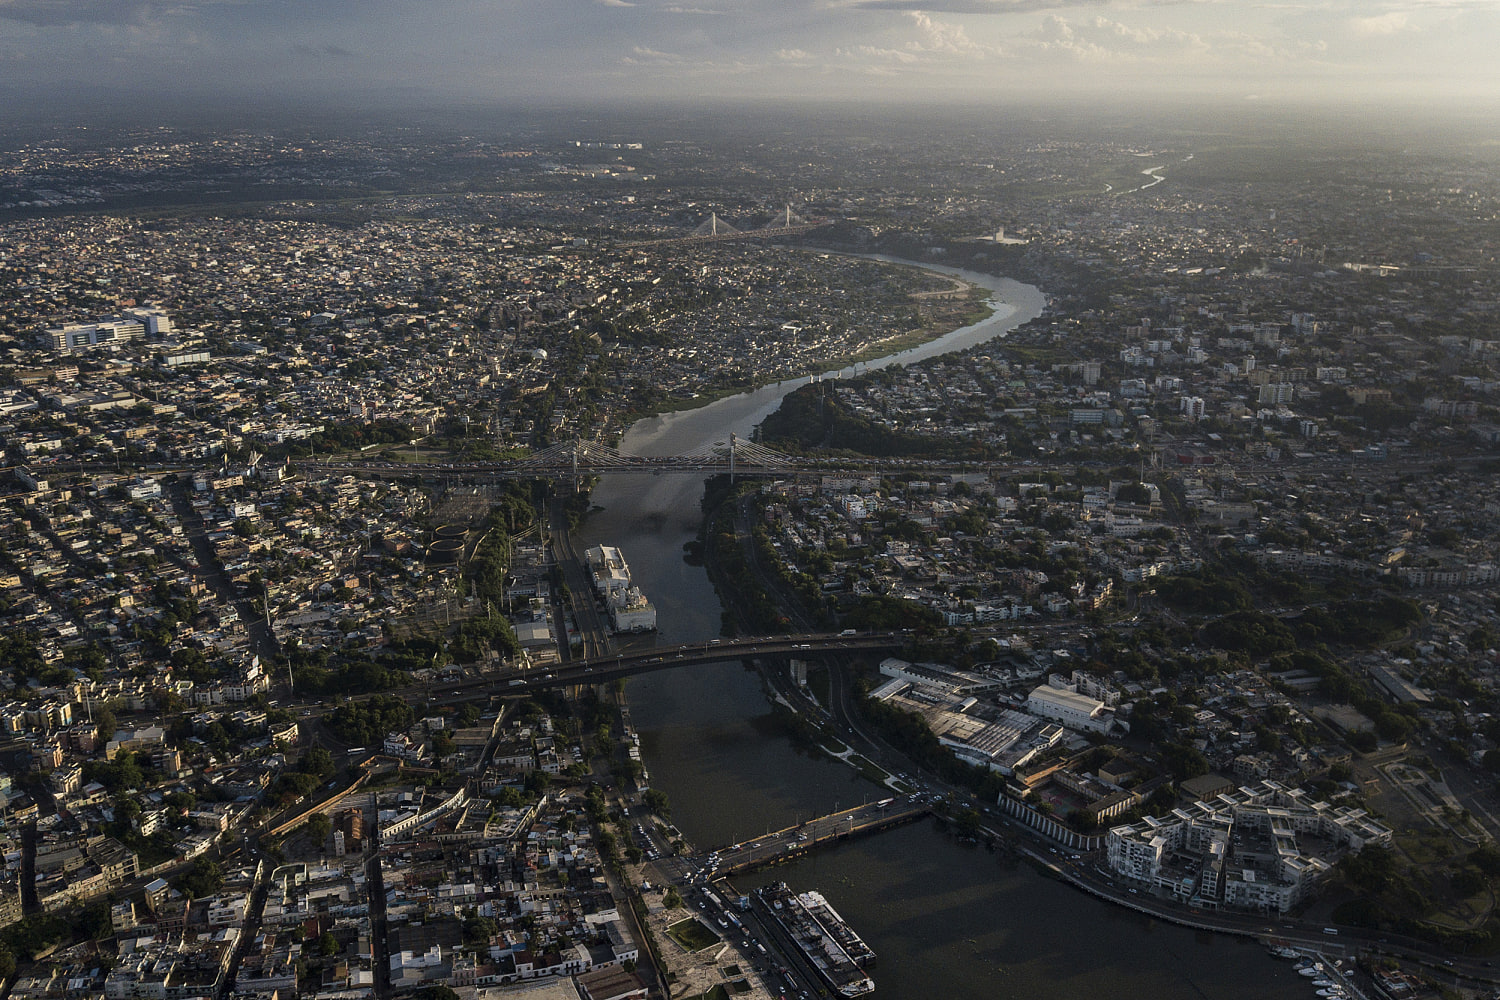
(1190, 579)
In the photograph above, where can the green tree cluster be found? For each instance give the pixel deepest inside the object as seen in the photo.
(367, 722)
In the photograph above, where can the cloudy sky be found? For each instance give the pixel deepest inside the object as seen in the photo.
(972, 50)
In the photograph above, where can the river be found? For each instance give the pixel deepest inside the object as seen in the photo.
(946, 921)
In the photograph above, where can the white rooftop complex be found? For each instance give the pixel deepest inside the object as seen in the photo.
(1263, 847)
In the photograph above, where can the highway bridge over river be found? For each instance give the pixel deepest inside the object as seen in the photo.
(795, 841)
(600, 669)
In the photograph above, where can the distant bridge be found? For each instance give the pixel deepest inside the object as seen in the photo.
(579, 458)
(600, 669)
(714, 229)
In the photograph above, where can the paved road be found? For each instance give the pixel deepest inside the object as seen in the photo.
(262, 640)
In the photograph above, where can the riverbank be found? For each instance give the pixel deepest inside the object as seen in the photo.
(943, 922)
(980, 306)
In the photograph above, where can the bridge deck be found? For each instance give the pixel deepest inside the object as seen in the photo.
(795, 841)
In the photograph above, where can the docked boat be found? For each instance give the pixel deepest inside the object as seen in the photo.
(628, 609)
(825, 939)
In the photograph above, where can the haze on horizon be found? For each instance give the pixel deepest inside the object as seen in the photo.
(968, 51)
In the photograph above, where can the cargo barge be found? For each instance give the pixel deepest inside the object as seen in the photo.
(825, 939)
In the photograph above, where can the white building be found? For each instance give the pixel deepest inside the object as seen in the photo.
(1276, 393)
(76, 337)
(1073, 710)
(1240, 849)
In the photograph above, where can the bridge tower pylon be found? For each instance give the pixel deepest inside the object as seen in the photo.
(733, 440)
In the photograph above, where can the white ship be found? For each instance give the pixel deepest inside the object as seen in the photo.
(628, 609)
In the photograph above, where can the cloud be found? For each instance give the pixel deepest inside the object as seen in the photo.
(640, 55)
(58, 13)
(1099, 39)
(1006, 6)
(971, 6)
(940, 36)
(614, 3)
(793, 55)
(881, 54)
(1389, 23)
(690, 10)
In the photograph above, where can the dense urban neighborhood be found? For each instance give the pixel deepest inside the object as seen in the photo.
(1180, 586)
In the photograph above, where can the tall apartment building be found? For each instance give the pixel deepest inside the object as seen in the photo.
(1276, 393)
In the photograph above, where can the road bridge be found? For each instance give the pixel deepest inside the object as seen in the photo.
(795, 841)
(603, 668)
(581, 459)
(714, 229)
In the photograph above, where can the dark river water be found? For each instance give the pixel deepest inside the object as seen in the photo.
(946, 921)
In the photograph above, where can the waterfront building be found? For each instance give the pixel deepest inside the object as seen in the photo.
(1241, 849)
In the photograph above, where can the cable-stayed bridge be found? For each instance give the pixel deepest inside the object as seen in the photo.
(579, 459)
(714, 228)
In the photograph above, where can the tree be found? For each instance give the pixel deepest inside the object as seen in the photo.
(318, 827)
(1370, 869)
(967, 823)
(205, 879)
(1486, 859)
(93, 922)
(328, 945)
(105, 720)
(317, 762)
(1184, 761)
(479, 929)
(656, 800)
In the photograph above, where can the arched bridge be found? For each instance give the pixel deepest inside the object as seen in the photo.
(598, 669)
